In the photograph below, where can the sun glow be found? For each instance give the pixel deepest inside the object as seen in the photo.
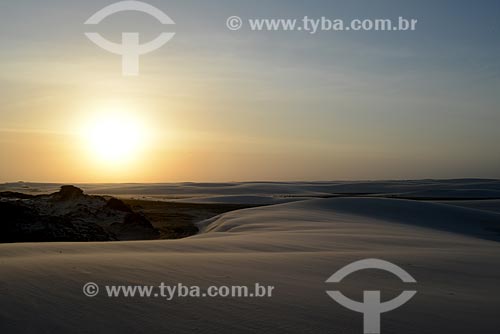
(114, 137)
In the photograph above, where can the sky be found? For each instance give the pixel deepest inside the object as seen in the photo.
(220, 105)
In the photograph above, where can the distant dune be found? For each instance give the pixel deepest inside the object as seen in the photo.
(459, 188)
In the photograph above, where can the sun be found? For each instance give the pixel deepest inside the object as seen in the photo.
(114, 137)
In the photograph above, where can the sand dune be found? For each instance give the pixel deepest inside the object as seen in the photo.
(293, 246)
(421, 188)
(487, 205)
(240, 199)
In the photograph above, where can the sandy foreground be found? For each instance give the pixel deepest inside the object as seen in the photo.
(451, 250)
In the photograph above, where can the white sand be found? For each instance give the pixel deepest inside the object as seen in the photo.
(418, 188)
(295, 247)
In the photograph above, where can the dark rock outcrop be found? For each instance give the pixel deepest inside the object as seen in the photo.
(69, 215)
(116, 204)
(22, 223)
(68, 193)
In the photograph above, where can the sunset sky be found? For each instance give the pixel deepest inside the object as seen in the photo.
(220, 105)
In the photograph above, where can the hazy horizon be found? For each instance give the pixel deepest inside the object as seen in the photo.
(355, 181)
